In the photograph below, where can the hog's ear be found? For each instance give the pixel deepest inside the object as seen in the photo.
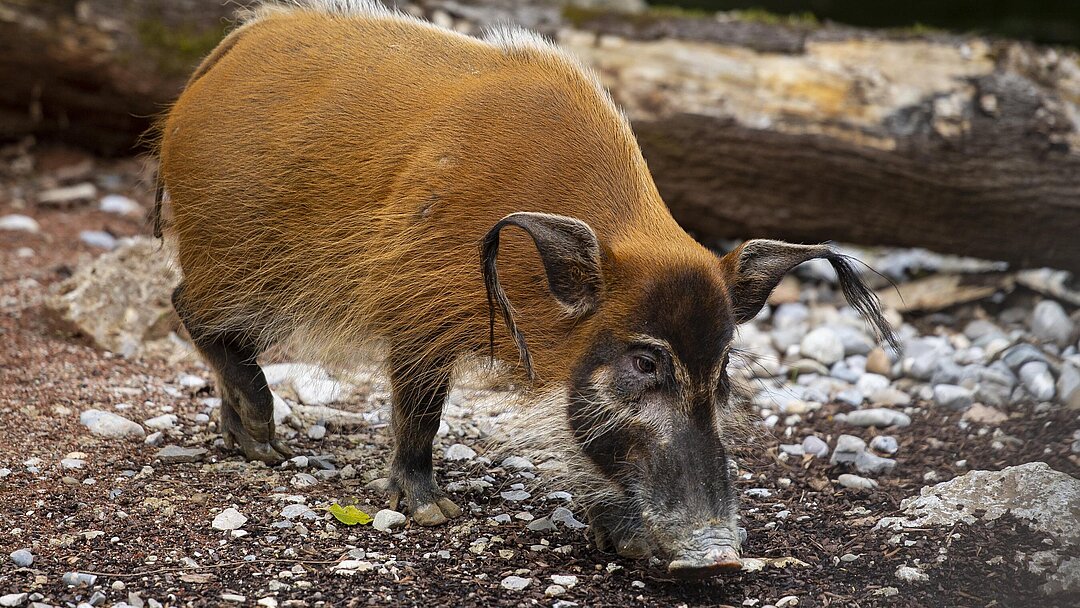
(571, 256)
(756, 267)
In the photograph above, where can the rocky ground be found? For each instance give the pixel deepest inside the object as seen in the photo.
(115, 489)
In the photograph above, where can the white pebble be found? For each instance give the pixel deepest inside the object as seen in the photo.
(459, 451)
(119, 204)
(229, 519)
(98, 238)
(21, 223)
(386, 520)
(822, 345)
(515, 583)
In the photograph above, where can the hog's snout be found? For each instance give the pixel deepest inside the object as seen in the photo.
(706, 552)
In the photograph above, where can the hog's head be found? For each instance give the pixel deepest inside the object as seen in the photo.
(647, 395)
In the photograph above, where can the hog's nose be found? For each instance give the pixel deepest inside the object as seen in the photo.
(708, 552)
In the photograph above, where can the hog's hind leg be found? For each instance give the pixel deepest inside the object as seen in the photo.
(247, 405)
(419, 391)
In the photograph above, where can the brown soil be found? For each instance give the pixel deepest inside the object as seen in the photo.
(151, 521)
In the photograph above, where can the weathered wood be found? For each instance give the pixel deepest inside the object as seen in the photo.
(96, 72)
(954, 143)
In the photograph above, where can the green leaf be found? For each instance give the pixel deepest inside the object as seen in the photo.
(349, 515)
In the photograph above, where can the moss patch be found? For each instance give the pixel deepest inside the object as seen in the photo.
(177, 48)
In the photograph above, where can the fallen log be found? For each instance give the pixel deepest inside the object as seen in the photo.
(784, 130)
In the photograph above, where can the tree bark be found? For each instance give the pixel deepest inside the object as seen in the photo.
(782, 130)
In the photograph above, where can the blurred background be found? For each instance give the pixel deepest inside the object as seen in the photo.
(1043, 21)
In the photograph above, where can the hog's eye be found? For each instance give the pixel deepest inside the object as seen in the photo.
(644, 364)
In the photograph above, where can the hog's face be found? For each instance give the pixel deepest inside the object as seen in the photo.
(649, 407)
(648, 398)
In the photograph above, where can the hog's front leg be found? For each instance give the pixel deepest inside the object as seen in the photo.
(419, 391)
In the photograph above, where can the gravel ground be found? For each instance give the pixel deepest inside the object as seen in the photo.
(140, 530)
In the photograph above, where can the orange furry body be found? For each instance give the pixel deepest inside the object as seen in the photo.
(333, 175)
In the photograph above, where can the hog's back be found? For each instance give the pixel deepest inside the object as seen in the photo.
(337, 173)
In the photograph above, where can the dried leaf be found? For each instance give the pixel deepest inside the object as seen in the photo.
(349, 515)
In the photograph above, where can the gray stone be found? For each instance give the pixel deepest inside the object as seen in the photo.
(1037, 380)
(122, 298)
(13, 599)
(564, 516)
(851, 396)
(847, 448)
(515, 495)
(869, 464)
(542, 524)
(871, 383)
(792, 449)
(78, 579)
(316, 432)
(1048, 500)
(911, 574)
(386, 520)
(468, 486)
(154, 439)
(565, 580)
(19, 223)
(948, 372)
(1050, 323)
(855, 342)
(173, 454)
(953, 397)
(22, 558)
(459, 451)
(809, 366)
(515, 583)
(120, 205)
(1068, 385)
(108, 424)
(993, 394)
(856, 483)
(814, 446)
(790, 315)
(886, 444)
(517, 463)
(890, 396)
(784, 338)
(879, 417)
(315, 390)
(229, 519)
(844, 371)
(923, 356)
(298, 510)
(980, 328)
(1016, 356)
(67, 195)
(823, 345)
(161, 423)
(303, 480)
(99, 239)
